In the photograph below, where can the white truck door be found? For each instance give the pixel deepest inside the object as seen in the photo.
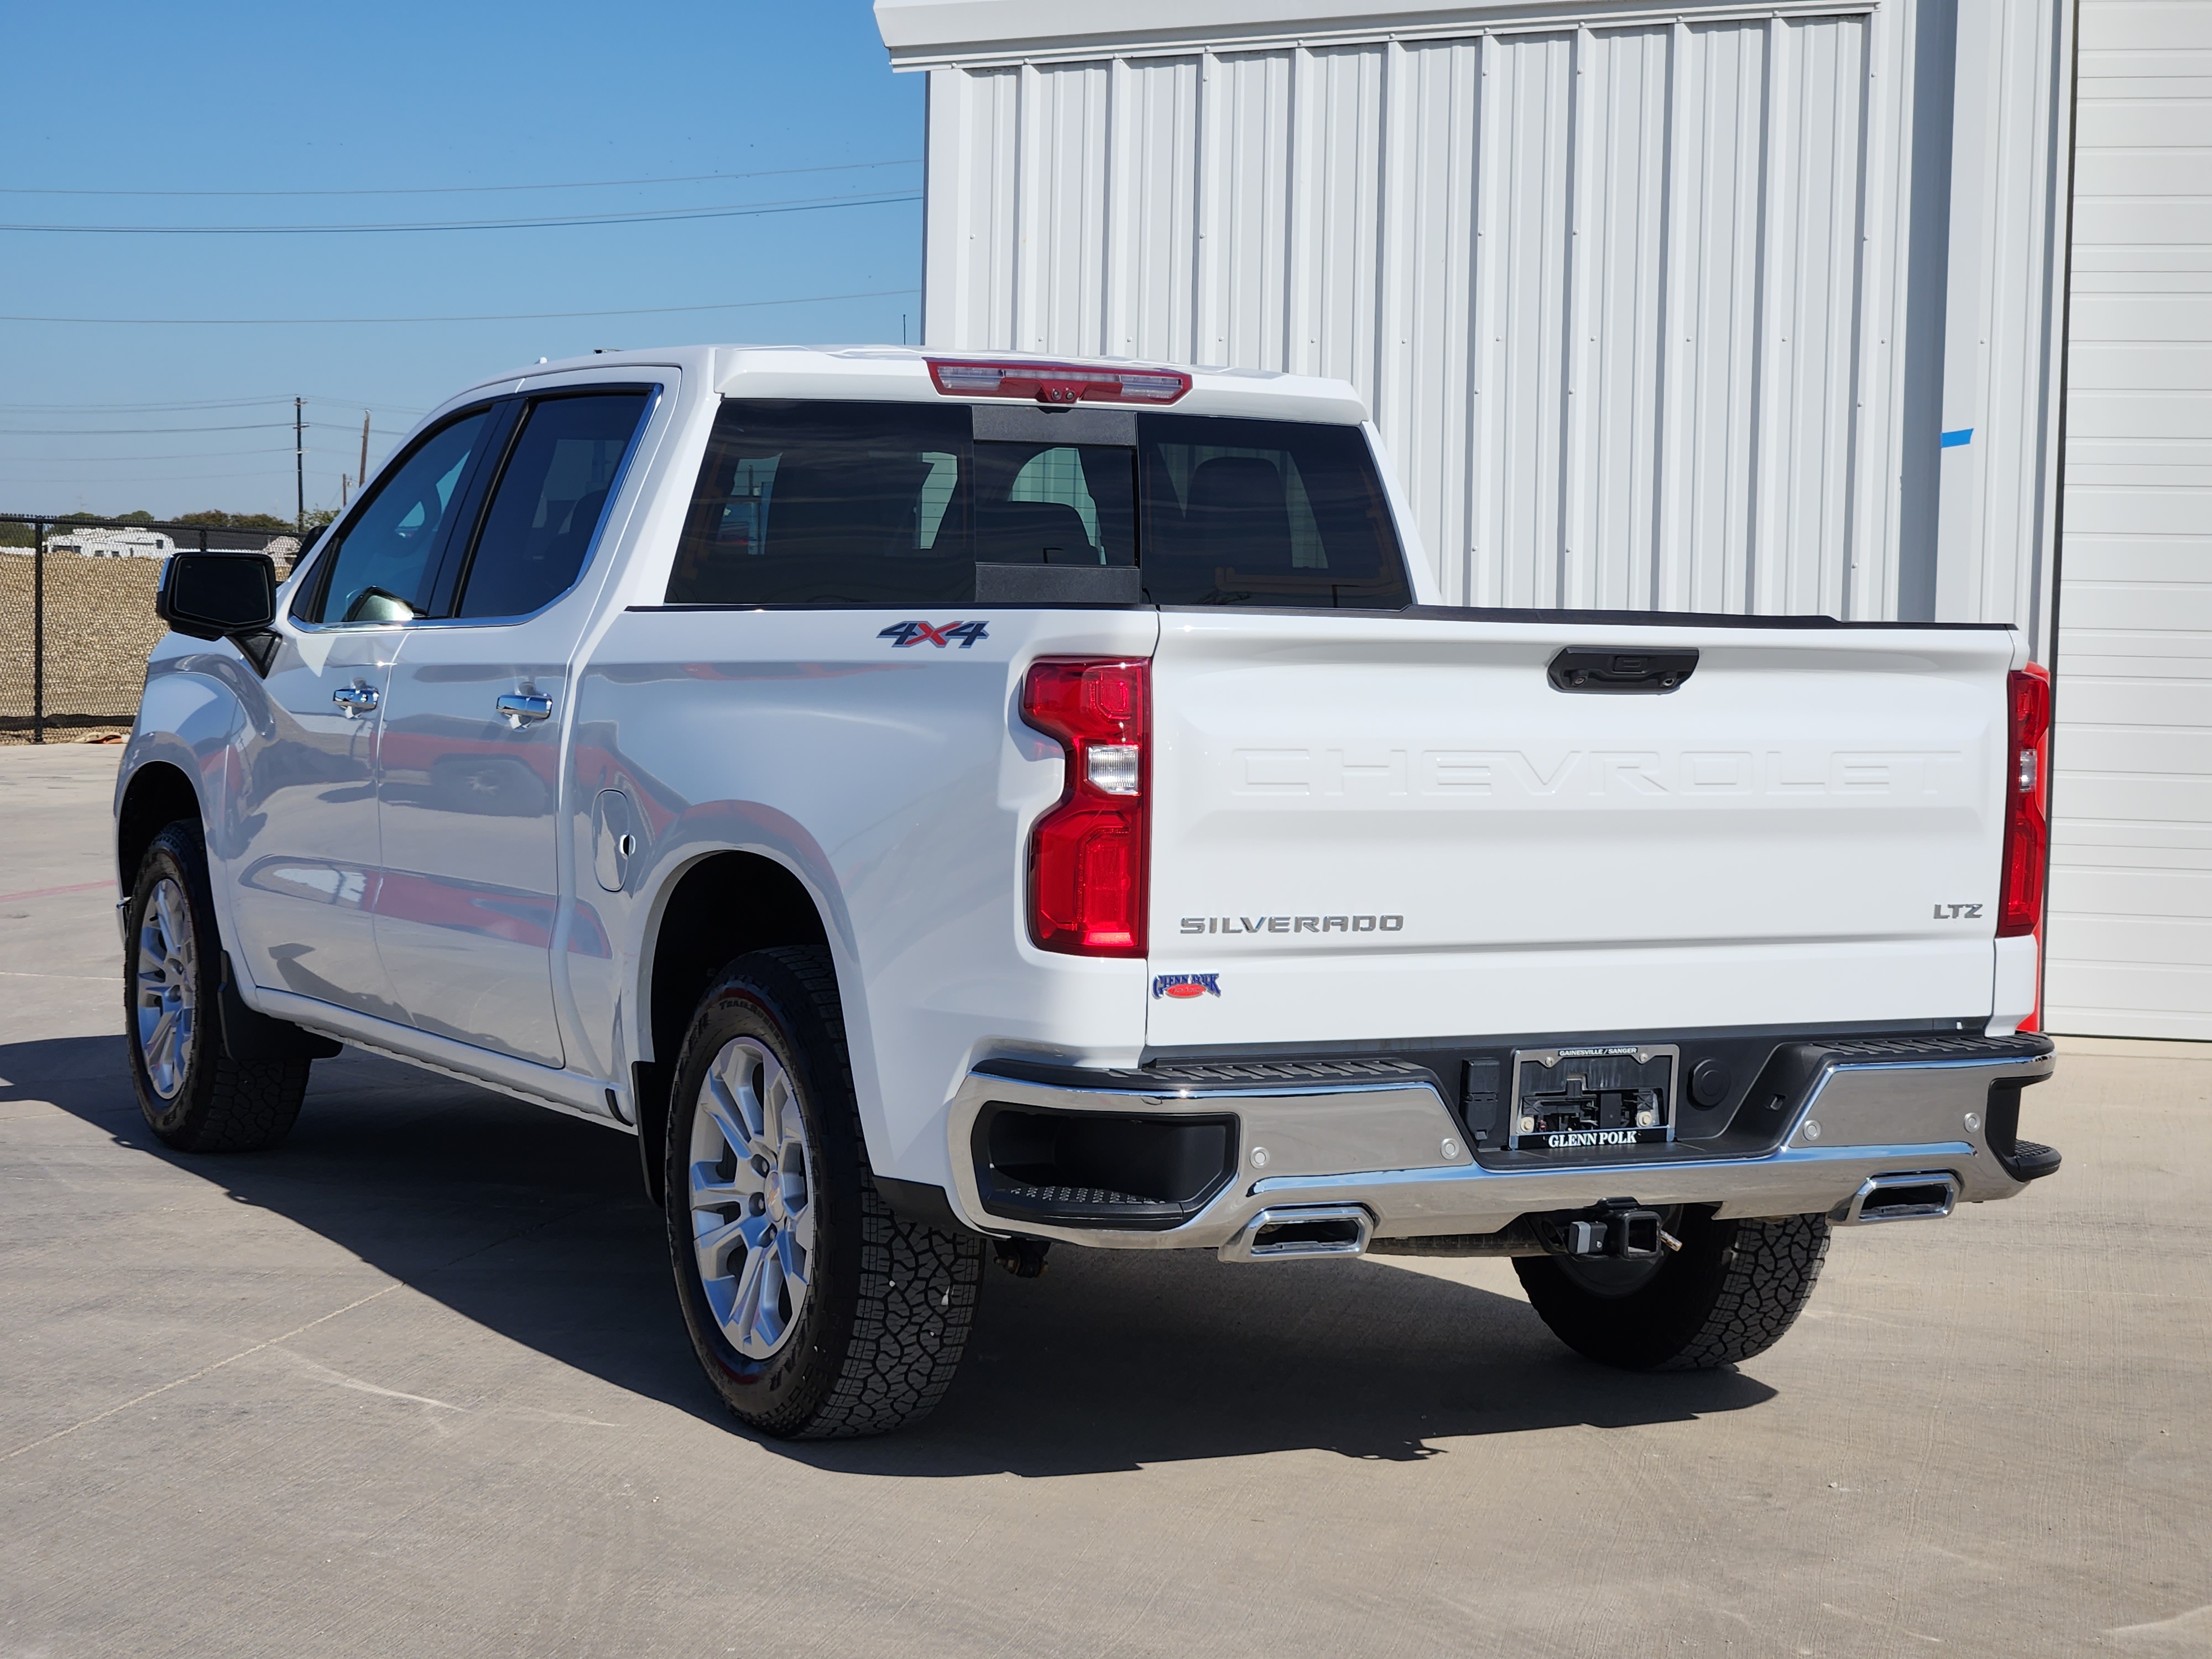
(469, 779)
(300, 847)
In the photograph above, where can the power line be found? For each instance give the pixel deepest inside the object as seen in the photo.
(359, 403)
(651, 216)
(132, 408)
(487, 317)
(203, 403)
(187, 478)
(472, 189)
(162, 431)
(127, 431)
(119, 461)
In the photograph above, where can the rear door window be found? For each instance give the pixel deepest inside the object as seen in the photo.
(546, 510)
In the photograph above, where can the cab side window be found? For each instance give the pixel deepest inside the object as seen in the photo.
(549, 501)
(385, 562)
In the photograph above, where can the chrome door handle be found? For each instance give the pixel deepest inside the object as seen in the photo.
(355, 700)
(520, 708)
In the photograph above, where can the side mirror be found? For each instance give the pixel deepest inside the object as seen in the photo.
(214, 596)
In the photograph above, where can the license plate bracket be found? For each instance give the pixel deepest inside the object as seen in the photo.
(1599, 1099)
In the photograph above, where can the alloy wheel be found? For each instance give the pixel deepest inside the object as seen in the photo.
(167, 993)
(752, 1214)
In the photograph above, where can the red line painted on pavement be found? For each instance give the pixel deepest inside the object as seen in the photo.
(55, 892)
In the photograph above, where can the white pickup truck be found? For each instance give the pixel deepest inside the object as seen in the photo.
(947, 807)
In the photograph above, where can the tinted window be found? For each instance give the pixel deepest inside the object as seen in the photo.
(1265, 513)
(549, 503)
(1054, 504)
(897, 504)
(830, 503)
(382, 568)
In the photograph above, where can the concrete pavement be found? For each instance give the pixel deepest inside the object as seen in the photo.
(415, 1383)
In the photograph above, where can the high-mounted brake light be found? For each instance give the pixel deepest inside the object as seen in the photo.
(1058, 383)
(1088, 854)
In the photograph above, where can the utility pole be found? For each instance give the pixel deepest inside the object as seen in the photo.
(38, 632)
(299, 465)
(362, 477)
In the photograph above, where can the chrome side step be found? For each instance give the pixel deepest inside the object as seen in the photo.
(1301, 1229)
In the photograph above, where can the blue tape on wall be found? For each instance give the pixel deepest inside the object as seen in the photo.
(1963, 436)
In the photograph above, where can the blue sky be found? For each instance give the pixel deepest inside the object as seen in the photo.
(256, 97)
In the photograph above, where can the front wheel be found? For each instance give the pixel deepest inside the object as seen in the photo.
(194, 1096)
(1732, 1290)
(816, 1311)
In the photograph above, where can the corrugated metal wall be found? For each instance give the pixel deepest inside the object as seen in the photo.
(1601, 286)
(2131, 861)
(1627, 299)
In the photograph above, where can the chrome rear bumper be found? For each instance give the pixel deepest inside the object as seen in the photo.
(1378, 1136)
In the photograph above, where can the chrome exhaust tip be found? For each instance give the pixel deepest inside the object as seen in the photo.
(1300, 1230)
(1924, 1196)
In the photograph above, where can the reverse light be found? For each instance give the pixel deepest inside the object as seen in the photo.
(1058, 383)
(1088, 853)
(1115, 768)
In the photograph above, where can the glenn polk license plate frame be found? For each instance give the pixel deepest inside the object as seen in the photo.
(1601, 1141)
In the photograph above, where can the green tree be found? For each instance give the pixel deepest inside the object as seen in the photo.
(214, 518)
(137, 515)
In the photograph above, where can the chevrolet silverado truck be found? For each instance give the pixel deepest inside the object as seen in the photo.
(945, 807)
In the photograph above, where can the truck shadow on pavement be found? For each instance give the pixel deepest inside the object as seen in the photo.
(534, 1226)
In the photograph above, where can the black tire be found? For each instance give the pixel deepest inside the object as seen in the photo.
(213, 1104)
(888, 1304)
(1731, 1291)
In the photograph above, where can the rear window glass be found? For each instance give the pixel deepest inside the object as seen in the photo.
(868, 504)
(1265, 512)
(1041, 503)
(829, 504)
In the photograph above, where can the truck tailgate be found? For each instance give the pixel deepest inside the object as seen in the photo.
(1369, 826)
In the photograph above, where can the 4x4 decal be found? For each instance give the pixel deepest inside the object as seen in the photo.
(940, 634)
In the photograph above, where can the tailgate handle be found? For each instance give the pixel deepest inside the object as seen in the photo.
(1580, 668)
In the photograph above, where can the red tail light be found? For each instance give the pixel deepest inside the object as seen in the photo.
(2027, 796)
(1059, 383)
(1088, 854)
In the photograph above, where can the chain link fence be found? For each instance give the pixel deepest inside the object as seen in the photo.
(76, 618)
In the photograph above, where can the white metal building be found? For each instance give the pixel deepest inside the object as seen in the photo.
(1700, 306)
(2131, 877)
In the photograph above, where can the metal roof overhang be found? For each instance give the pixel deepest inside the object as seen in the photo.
(925, 33)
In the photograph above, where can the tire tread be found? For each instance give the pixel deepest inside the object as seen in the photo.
(226, 1105)
(1734, 1291)
(917, 1286)
(1767, 1278)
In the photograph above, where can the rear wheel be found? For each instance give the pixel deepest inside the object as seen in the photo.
(815, 1312)
(194, 1096)
(1733, 1289)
